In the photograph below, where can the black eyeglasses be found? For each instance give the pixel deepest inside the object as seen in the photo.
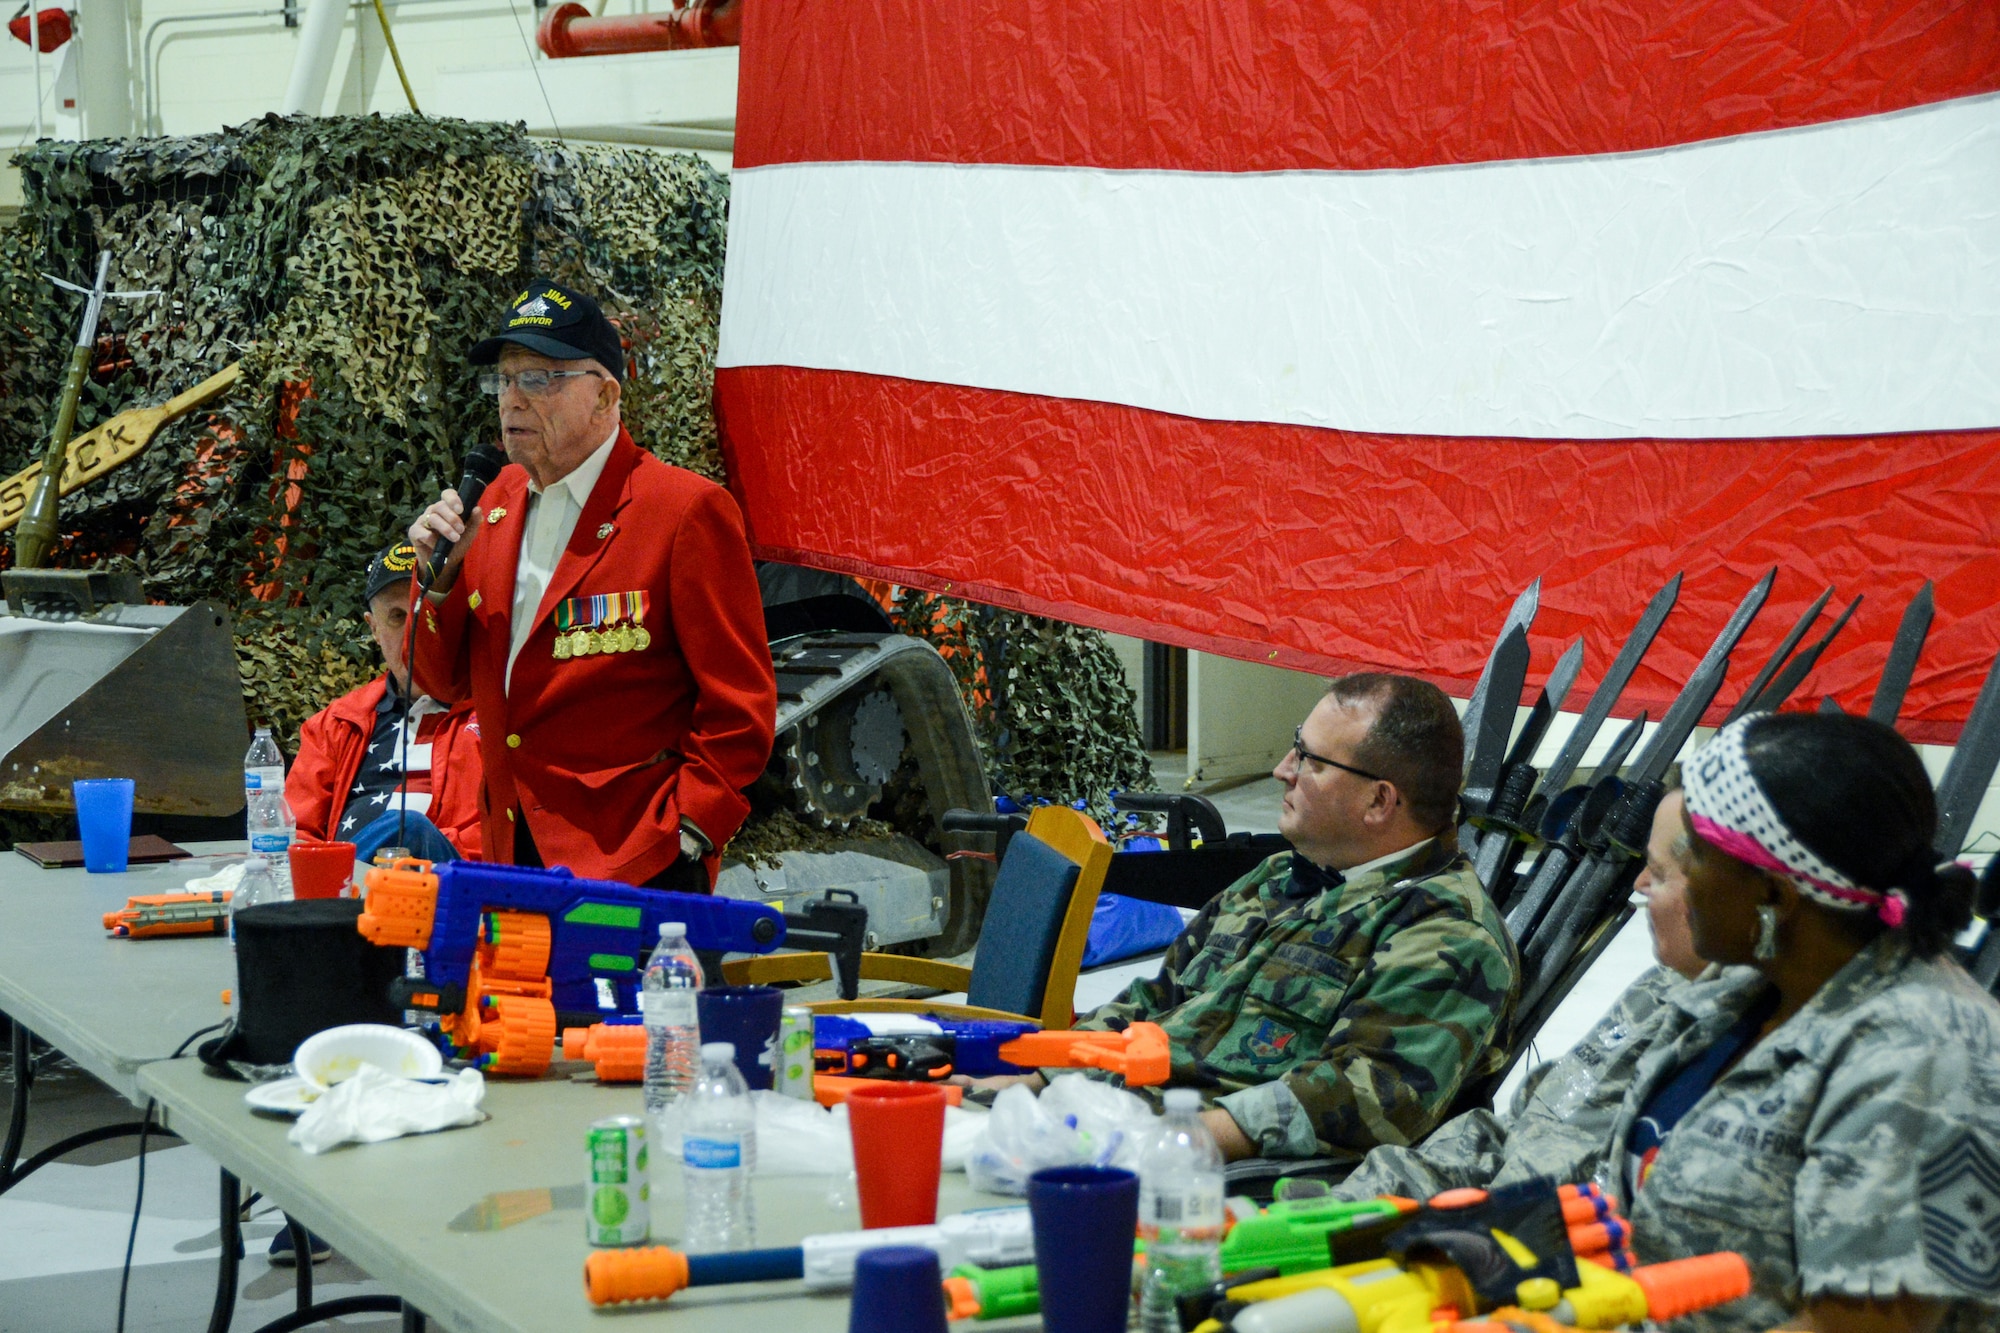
(1299, 749)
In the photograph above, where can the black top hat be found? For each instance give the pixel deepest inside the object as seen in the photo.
(556, 321)
(302, 967)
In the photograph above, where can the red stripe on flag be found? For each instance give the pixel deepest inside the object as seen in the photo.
(1331, 550)
(1329, 84)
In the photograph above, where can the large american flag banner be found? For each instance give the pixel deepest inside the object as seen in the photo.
(1311, 331)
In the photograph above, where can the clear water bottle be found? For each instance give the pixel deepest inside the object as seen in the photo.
(1180, 1212)
(718, 1154)
(267, 816)
(254, 889)
(673, 1032)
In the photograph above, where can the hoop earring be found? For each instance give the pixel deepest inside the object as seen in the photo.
(1767, 934)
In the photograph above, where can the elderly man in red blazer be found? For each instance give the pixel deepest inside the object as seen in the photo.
(603, 617)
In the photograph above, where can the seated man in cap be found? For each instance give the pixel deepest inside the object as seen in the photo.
(1340, 995)
(359, 778)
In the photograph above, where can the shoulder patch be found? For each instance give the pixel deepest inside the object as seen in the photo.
(1959, 1192)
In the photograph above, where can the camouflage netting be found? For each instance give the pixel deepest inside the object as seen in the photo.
(348, 263)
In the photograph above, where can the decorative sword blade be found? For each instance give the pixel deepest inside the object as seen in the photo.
(1887, 705)
(1507, 677)
(1795, 670)
(1970, 771)
(1784, 650)
(1610, 688)
(1521, 616)
(1700, 691)
(1554, 691)
(1621, 745)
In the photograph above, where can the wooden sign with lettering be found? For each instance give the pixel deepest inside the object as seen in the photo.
(116, 441)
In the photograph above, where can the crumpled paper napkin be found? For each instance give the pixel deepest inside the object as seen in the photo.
(375, 1105)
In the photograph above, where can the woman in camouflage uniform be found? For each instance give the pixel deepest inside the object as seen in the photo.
(1827, 1101)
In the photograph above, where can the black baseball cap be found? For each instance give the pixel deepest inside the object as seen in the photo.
(556, 321)
(390, 567)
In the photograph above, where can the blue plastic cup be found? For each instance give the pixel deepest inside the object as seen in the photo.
(1085, 1219)
(104, 822)
(897, 1289)
(748, 1017)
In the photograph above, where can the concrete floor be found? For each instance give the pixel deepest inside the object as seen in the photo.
(63, 1230)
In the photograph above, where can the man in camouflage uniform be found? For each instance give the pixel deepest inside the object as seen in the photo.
(1339, 995)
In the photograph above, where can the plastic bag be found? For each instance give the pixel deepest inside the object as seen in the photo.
(373, 1106)
(1122, 927)
(1077, 1121)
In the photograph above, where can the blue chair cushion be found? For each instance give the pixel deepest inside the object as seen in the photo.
(1024, 918)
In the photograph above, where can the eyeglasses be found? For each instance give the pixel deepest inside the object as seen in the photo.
(1299, 749)
(534, 383)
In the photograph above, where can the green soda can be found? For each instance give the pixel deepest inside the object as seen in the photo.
(795, 1053)
(615, 1211)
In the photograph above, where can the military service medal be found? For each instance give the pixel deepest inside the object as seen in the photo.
(604, 623)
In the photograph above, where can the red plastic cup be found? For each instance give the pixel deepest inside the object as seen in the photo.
(898, 1131)
(321, 869)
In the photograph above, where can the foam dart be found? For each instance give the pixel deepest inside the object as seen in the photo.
(1682, 1286)
(95, 452)
(832, 1089)
(618, 1050)
(654, 1272)
(1140, 1052)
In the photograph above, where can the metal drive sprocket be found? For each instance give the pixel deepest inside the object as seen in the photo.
(839, 757)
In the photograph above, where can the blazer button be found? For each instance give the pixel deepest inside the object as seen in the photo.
(513, 742)
(510, 814)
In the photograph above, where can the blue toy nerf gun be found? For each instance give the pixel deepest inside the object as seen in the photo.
(507, 947)
(928, 1047)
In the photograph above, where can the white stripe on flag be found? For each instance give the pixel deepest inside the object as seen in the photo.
(1839, 279)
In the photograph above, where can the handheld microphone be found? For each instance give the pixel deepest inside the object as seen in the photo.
(482, 464)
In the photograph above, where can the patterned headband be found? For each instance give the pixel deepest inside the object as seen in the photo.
(1728, 808)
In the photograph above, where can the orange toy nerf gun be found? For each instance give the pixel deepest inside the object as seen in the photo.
(148, 914)
(1466, 1256)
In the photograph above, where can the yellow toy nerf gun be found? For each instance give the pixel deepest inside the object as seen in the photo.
(146, 915)
(1464, 1256)
(1303, 1235)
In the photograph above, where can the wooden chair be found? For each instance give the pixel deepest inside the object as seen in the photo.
(1030, 946)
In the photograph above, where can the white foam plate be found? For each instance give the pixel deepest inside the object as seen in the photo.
(290, 1095)
(328, 1057)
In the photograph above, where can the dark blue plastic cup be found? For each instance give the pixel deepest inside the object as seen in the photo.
(747, 1016)
(1085, 1220)
(897, 1289)
(104, 822)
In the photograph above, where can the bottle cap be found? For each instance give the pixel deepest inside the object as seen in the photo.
(1182, 1099)
(673, 930)
(718, 1052)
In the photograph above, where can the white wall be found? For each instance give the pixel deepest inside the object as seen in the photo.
(197, 67)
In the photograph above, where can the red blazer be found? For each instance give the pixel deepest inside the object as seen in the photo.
(331, 745)
(605, 754)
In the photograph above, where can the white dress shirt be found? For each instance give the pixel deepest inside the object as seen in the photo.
(551, 521)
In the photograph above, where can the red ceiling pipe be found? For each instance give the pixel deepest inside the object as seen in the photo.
(569, 30)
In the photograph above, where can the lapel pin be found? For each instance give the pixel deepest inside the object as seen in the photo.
(605, 530)
(495, 515)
